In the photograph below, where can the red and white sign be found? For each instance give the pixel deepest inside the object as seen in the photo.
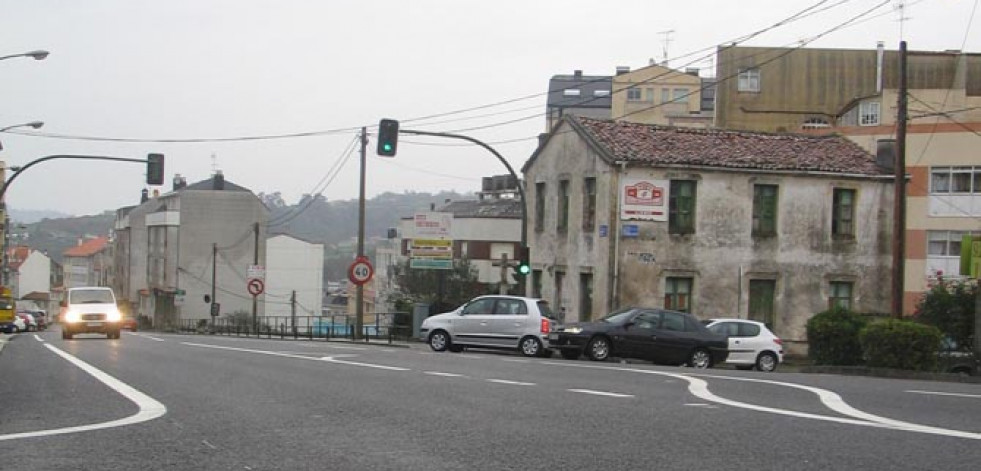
(644, 198)
(255, 286)
(360, 271)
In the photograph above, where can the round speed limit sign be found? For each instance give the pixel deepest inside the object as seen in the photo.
(360, 271)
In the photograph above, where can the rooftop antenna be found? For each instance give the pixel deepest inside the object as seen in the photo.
(900, 8)
(665, 41)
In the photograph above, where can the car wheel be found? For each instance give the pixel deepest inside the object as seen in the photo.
(530, 346)
(439, 341)
(700, 358)
(571, 354)
(598, 349)
(767, 361)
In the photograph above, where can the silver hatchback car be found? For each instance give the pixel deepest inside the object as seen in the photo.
(494, 321)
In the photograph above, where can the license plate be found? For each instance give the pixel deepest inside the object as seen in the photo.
(553, 336)
(94, 324)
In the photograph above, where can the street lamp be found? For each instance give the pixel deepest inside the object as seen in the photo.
(36, 55)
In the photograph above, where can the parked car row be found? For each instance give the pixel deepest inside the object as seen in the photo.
(658, 335)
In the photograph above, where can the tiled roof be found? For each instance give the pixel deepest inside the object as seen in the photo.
(16, 256)
(87, 248)
(666, 145)
(486, 208)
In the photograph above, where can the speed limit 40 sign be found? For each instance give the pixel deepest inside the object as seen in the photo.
(360, 271)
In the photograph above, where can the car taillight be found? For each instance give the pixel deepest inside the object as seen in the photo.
(545, 326)
(777, 341)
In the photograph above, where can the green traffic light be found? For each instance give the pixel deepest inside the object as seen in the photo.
(387, 146)
(524, 269)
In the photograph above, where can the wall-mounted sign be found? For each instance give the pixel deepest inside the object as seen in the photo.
(644, 199)
(630, 230)
(433, 225)
(604, 230)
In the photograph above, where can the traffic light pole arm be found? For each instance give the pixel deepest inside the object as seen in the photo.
(6, 184)
(521, 190)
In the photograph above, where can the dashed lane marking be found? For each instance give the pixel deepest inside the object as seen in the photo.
(507, 381)
(600, 393)
(938, 393)
(440, 373)
(331, 359)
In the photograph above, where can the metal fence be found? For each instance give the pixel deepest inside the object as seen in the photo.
(388, 326)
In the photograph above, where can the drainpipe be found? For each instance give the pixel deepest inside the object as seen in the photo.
(880, 54)
(615, 234)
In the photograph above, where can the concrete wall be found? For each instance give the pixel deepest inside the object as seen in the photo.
(292, 264)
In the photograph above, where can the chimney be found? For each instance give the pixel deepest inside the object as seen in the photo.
(622, 69)
(577, 74)
(885, 153)
(880, 54)
(179, 182)
(144, 196)
(218, 181)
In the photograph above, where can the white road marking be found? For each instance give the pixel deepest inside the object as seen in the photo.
(38, 338)
(599, 393)
(149, 407)
(698, 404)
(301, 357)
(938, 393)
(699, 388)
(440, 373)
(209, 445)
(506, 381)
(147, 337)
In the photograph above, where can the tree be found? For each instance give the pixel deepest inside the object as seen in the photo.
(949, 305)
(443, 289)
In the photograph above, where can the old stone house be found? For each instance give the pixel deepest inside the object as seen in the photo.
(773, 227)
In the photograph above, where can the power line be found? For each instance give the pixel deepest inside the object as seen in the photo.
(318, 189)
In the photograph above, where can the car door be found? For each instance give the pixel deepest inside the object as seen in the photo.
(639, 336)
(737, 344)
(510, 322)
(674, 341)
(474, 325)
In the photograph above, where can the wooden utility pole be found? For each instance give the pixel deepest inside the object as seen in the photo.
(899, 197)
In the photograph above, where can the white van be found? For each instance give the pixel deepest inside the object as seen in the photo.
(88, 310)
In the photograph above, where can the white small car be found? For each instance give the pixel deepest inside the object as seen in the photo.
(496, 321)
(751, 343)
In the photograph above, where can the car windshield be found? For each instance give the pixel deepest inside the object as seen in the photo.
(90, 296)
(618, 317)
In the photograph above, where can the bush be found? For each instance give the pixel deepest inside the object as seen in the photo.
(949, 305)
(900, 344)
(832, 337)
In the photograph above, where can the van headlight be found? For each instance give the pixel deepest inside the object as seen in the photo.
(114, 316)
(72, 316)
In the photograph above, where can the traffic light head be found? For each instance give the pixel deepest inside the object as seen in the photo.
(524, 261)
(388, 137)
(155, 169)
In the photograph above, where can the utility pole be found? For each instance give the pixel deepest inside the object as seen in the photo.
(359, 319)
(293, 311)
(214, 281)
(899, 194)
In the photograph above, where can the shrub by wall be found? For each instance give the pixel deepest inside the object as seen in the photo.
(832, 337)
(906, 345)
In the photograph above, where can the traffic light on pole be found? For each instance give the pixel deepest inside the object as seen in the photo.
(388, 137)
(155, 169)
(524, 261)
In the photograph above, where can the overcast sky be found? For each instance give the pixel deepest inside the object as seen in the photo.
(216, 69)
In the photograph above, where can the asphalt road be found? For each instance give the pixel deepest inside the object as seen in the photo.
(155, 401)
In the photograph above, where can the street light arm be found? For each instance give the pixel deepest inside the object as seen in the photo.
(521, 190)
(6, 184)
(36, 55)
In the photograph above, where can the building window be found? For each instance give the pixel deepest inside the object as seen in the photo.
(601, 93)
(563, 208)
(843, 213)
(589, 204)
(649, 92)
(815, 123)
(665, 95)
(679, 94)
(539, 206)
(681, 207)
(536, 284)
(749, 80)
(764, 210)
(841, 295)
(585, 297)
(571, 92)
(633, 94)
(868, 112)
(761, 295)
(677, 294)
(945, 243)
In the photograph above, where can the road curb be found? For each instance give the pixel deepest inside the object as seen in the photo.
(890, 373)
